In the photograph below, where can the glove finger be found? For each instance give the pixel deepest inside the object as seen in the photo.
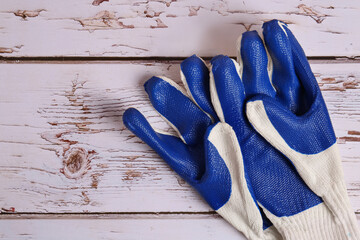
(255, 65)
(302, 67)
(170, 100)
(177, 154)
(215, 186)
(284, 78)
(195, 76)
(225, 174)
(227, 91)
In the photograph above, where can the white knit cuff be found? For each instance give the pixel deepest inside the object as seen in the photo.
(336, 199)
(314, 223)
(319, 222)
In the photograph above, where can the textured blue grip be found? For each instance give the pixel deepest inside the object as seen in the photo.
(310, 133)
(205, 172)
(182, 158)
(292, 101)
(215, 184)
(255, 72)
(284, 78)
(306, 124)
(178, 109)
(197, 80)
(271, 177)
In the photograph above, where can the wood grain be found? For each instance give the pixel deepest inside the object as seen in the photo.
(129, 227)
(169, 28)
(145, 227)
(69, 169)
(63, 147)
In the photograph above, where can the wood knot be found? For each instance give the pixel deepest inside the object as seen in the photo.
(7, 210)
(76, 163)
(131, 175)
(98, 2)
(28, 13)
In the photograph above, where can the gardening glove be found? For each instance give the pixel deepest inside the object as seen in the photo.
(272, 180)
(288, 110)
(204, 152)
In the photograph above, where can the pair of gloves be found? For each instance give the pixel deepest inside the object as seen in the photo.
(255, 139)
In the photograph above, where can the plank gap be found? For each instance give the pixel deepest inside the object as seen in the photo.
(75, 59)
(35, 215)
(109, 215)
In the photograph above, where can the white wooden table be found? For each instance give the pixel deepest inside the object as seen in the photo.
(69, 169)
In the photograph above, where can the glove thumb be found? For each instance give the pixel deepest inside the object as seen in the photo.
(172, 149)
(309, 133)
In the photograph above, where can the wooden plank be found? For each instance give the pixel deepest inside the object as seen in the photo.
(169, 27)
(63, 147)
(179, 227)
(145, 227)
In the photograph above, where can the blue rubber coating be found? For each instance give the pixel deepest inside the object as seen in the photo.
(215, 185)
(255, 61)
(197, 78)
(292, 101)
(206, 173)
(230, 89)
(180, 157)
(178, 109)
(271, 178)
(310, 133)
(307, 128)
(284, 78)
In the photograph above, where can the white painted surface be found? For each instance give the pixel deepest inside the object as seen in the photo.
(169, 27)
(54, 111)
(51, 110)
(120, 227)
